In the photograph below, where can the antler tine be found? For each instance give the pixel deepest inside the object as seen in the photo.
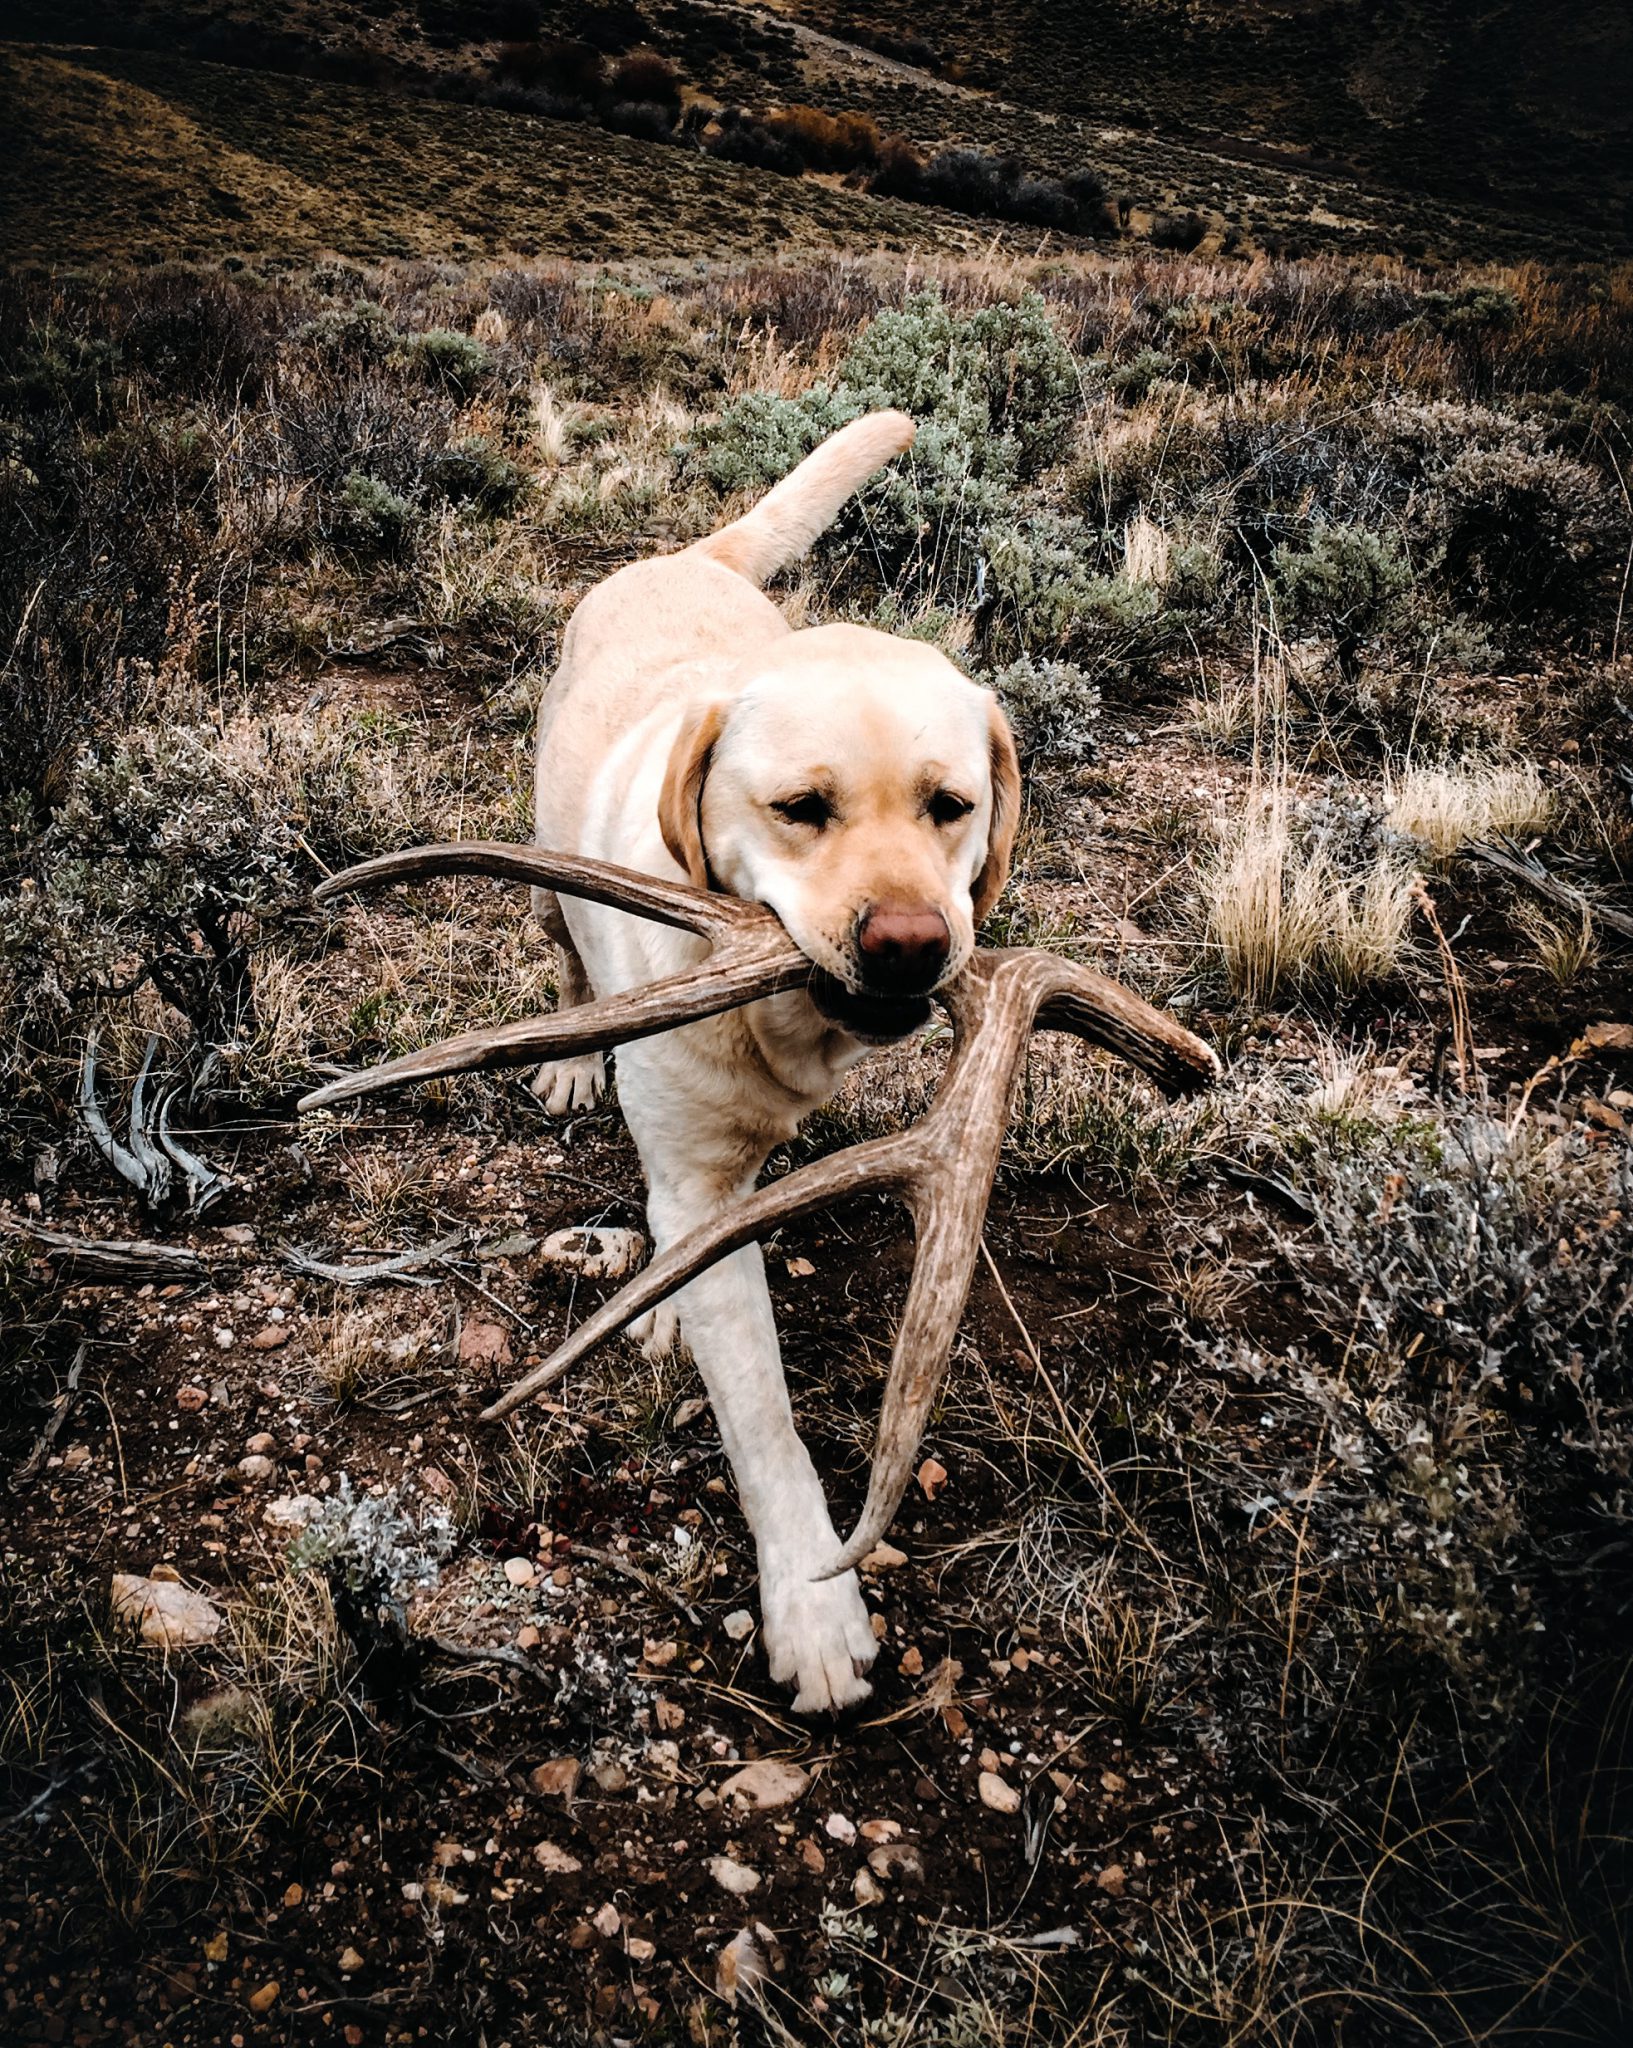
(676, 903)
(881, 1165)
(751, 956)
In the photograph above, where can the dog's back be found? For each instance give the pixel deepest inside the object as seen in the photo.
(663, 630)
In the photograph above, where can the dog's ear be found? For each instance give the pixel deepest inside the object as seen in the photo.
(680, 801)
(988, 885)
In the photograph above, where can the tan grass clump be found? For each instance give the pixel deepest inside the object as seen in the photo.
(1280, 912)
(1447, 806)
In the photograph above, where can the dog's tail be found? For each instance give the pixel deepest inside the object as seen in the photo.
(791, 515)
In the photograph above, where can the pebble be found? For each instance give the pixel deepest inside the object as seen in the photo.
(607, 1921)
(270, 1338)
(867, 1888)
(519, 1571)
(350, 1961)
(262, 1444)
(884, 1557)
(191, 1399)
(290, 1511)
(880, 1830)
(660, 1655)
(559, 1863)
(557, 1779)
(738, 1624)
(896, 1859)
(732, 1876)
(639, 1949)
(840, 1828)
(166, 1613)
(610, 1775)
(256, 1466)
(599, 1252)
(932, 1477)
(689, 1411)
(767, 1783)
(1112, 1879)
(264, 1999)
(740, 1966)
(999, 1795)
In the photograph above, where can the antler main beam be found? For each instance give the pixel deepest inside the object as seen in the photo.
(750, 956)
(942, 1169)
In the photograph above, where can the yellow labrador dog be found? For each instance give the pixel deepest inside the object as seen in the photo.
(868, 793)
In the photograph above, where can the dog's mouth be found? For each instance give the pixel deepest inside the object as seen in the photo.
(875, 1019)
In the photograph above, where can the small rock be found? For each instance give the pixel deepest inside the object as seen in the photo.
(932, 1477)
(270, 1338)
(911, 1662)
(443, 1894)
(800, 1269)
(866, 1887)
(841, 1829)
(350, 1961)
(599, 1252)
(238, 1233)
(483, 1343)
(190, 1399)
(668, 1714)
(434, 1481)
(1111, 1782)
(688, 1411)
(557, 1779)
(290, 1511)
(811, 1856)
(607, 1921)
(215, 1949)
(444, 1855)
(732, 1876)
(558, 1862)
(166, 1613)
(767, 1783)
(75, 1456)
(1001, 1797)
(224, 1341)
(262, 1444)
(528, 1637)
(738, 1624)
(519, 1571)
(256, 1466)
(896, 1859)
(1112, 1879)
(879, 1830)
(610, 1775)
(660, 1655)
(884, 1557)
(639, 1949)
(293, 1894)
(264, 1999)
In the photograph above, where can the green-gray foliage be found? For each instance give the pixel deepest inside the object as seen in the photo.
(1347, 582)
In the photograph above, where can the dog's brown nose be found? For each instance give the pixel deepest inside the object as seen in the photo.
(903, 946)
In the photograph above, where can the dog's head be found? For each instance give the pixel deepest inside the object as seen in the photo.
(869, 794)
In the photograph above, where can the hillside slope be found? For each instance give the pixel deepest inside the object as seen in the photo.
(134, 156)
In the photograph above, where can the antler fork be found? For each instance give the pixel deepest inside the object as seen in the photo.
(942, 1169)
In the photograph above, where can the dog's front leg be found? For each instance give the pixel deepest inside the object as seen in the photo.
(818, 1636)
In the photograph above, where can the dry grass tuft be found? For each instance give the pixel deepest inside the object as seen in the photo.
(1280, 912)
(1446, 806)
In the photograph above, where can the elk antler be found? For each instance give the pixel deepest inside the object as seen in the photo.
(750, 956)
(942, 1169)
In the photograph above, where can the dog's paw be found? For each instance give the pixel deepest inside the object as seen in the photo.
(658, 1332)
(817, 1637)
(565, 1085)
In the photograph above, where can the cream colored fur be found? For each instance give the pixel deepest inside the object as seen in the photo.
(683, 709)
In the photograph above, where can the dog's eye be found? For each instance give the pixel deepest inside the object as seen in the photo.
(809, 808)
(947, 809)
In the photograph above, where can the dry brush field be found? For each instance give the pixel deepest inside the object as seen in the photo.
(1254, 1643)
